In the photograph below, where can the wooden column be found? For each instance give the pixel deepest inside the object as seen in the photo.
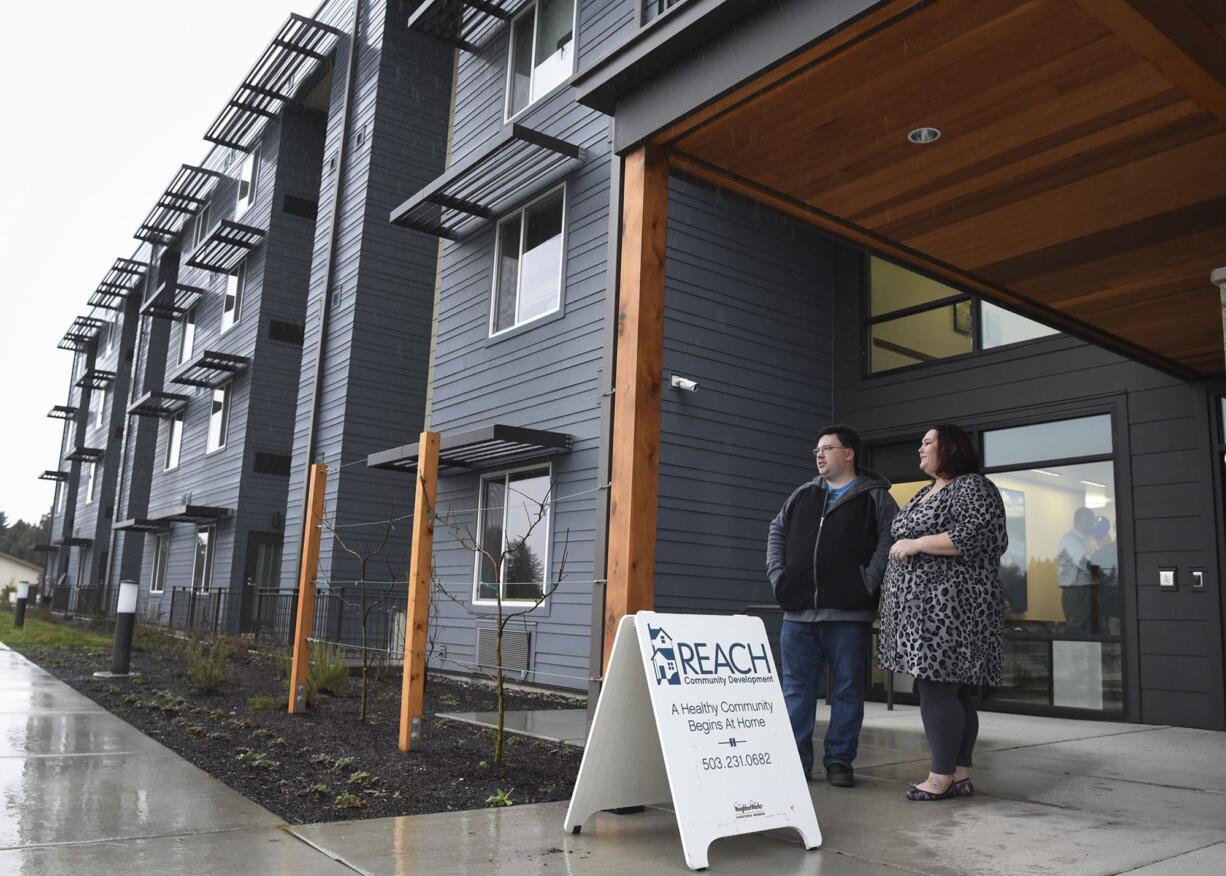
(636, 402)
(304, 621)
(413, 682)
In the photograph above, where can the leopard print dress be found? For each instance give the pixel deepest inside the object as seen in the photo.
(942, 617)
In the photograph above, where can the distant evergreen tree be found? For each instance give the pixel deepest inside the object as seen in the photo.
(20, 539)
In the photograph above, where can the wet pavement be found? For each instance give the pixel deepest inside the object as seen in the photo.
(83, 792)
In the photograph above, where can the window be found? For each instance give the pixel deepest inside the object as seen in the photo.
(112, 334)
(89, 483)
(232, 304)
(200, 230)
(161, 546)
(528, 263)
(187, 335)
(914, 319)
(174, 441)
(202, 564)
(542, 53)
(514, 530)
(219, 418)
(247, 180)
(100, 410)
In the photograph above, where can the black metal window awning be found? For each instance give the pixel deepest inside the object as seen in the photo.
(72, 541)
(120, 281)
(157, 404)
(194, 514)
(53, 476)
(80, 334)
(489, 447)
(85, 454)
(515, 165)
(95, 378)
(171, 301)
(298, 47)
(227, 244)
(460, 22)
(210, 369)
(44, 548)
(140, 524)
(62, 412)
(188, 191)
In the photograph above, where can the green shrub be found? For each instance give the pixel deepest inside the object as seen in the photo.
(500, 798)
(207, 669)
(329, 672)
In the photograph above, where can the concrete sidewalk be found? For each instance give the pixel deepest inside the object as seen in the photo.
(83, 792)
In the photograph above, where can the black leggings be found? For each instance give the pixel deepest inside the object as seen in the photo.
(950, 723)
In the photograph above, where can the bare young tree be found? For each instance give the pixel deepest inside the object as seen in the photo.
(514, 563)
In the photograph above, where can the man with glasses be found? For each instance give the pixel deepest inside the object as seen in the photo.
(825, 557)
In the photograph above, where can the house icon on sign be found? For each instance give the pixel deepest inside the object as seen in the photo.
(663, 657)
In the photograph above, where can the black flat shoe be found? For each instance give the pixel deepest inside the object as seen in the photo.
(915, 792)
(964, 788)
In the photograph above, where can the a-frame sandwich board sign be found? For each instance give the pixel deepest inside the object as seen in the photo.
(691, 711)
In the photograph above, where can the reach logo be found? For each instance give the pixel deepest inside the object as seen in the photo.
(705, 662)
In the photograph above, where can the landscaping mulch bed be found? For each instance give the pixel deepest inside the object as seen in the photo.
(324, 765)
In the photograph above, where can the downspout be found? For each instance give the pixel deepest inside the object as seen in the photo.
(329, 255)
(600, 558)
(117, 507)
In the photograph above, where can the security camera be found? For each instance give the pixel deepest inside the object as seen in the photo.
(679, 382)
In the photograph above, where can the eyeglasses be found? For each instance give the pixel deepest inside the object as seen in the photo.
(827, 449)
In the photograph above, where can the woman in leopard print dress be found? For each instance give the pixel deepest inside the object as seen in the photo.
(942, 603)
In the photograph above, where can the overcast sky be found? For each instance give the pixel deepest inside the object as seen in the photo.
(104, 101)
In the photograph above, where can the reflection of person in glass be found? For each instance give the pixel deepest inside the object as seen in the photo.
(1074, 574)
(1105, 567)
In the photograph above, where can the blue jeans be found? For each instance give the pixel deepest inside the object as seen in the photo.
(805, 649)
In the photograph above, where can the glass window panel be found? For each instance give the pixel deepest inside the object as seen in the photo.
(999, 327)
(187, 335)
(527, 536)
(1060, 439)
(540, 268)
(920, 337)
(247, 182)
(201, 565)
(99, 412)
(896, 462)
(493, 509)
(219, 416)
(232, 304)
(508, 273)
(893, 288)
(1060, 573)
(1027, 673)
(174, 440)
(554, 37)
(158, 584)
(519, 84)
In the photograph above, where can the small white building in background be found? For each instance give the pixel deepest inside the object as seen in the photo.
(13, 570)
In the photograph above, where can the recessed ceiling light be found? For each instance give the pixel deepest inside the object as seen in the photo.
(924, 135)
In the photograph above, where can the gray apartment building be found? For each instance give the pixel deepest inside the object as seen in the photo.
(626, 258)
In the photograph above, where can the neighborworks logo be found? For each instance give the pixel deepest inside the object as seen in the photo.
(707, 663)
(752, 809)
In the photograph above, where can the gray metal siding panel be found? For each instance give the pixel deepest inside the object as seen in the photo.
(747, 315)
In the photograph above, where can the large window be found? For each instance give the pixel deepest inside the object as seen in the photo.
(914, 319)
(528, 263)
(174, 441)
(219, 418)
(100, 409)
(161, 547)
(200, 228)
(514, 536)
(202, 564)
(248, 178)
(232, 303)
(187, 335)
(542, 54)
(1061, 572)
(89, 483)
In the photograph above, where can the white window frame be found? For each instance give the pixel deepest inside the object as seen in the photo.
(89, 483)
(200, 228)
(174, 442)
(161, 557)
(187, 340)
(505, 475)
(210, 544)
(112, 329)
(236, 282)
(531, 9)
(521, 213)
(248, 173)
(100, 410)
(226, 402)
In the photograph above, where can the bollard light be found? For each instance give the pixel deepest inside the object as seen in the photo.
(19, 610)
(125, 623)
